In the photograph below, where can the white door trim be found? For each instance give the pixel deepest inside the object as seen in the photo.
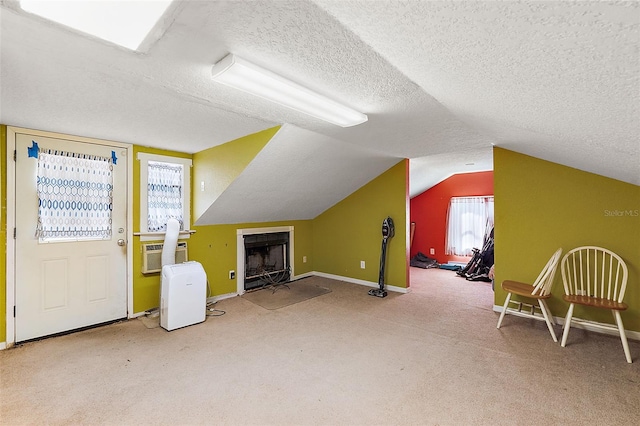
(11, 218)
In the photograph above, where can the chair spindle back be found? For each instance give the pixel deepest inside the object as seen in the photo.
(594, 272)
(542, 284)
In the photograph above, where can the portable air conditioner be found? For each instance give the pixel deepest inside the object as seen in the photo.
(152, 256)
(183, 295)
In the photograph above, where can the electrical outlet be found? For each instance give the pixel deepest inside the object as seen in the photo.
(432, 251)
(304, 259)
(232, 274)
(362, 265)
(202, 186)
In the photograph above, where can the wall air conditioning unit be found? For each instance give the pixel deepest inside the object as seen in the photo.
(152, 256)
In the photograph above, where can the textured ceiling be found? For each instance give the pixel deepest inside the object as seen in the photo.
(557, 80)
(442, 80)
(324, 172)
(425, 172)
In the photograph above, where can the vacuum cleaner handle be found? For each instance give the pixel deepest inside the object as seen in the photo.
(388, 230)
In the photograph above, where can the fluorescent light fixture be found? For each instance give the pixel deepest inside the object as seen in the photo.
(243, 75)
(125, 23)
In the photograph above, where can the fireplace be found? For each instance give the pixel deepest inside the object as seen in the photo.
(264, 257)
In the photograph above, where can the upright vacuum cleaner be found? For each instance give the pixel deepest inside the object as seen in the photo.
(388, 231)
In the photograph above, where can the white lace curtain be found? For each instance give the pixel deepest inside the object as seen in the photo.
(75, 195)
(164, 191)
(467, 222)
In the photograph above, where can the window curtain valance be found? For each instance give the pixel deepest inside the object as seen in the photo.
(75, 195)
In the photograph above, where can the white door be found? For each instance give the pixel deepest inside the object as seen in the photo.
(65, 283)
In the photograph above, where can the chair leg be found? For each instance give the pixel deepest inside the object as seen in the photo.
(548, 318)
(567, 325)
(623, 335)
(504, 310)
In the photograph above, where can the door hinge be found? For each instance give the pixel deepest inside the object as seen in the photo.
(14, 311)
(15, 155)
(14, 233)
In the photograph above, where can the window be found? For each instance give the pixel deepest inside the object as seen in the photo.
(469, 219)
(165, 192)
(164, 195)
(75, 196)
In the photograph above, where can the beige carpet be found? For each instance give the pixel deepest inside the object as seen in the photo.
(429, 357)
(151, 320)
(281, 296)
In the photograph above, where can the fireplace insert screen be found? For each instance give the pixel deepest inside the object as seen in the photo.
(266, 259)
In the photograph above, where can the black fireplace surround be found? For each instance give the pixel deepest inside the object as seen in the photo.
(266, 259)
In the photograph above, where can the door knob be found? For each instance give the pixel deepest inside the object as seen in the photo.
(121, 242)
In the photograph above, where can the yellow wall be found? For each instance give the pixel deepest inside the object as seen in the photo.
(3, 233)
(215, 246)
(541, 206)
(217, 167)
(350, 231)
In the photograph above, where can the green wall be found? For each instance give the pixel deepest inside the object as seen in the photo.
(350, 231)
(217, 167)
(541, 206)
(3, 233)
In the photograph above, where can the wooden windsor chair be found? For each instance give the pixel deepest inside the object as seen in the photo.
(540, 290)
(595, 277)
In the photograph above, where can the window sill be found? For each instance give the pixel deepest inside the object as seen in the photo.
(155, 236)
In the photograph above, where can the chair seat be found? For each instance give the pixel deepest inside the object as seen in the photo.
(595, 302)
(541, 285)
(521, 289)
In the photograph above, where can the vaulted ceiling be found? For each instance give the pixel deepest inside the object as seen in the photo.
(442, 82)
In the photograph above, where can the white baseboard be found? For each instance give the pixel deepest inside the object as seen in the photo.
(340, 278)
(3, 346)
(597, 327)
(301, 276)
(138, 314)
(361, 282)
(219, 297)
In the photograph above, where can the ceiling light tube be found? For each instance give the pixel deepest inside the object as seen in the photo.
(243, 75)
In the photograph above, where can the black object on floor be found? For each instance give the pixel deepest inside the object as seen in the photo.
(423, 261)
(478, 267)
(388, 231)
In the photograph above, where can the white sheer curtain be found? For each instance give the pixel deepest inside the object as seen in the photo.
(164, 193)
(75, 195)
(467, 221)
